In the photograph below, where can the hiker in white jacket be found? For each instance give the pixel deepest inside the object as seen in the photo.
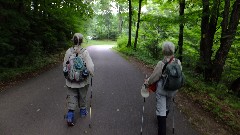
(77, 90)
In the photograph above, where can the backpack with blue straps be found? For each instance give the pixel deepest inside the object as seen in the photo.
(76, 70)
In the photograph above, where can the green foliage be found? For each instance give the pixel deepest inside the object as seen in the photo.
(214, 98)
(153, 48)
(30, 30)
(104, 24)
(38, 63)
(139, 54)
(122, 41)
(161, 23)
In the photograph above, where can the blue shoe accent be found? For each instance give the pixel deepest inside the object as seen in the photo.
(83, 112)
(70, 118)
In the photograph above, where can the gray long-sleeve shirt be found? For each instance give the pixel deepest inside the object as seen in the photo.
(157, 72)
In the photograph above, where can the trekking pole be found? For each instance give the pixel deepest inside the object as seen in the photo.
(90, 108)
(66, 109)
(142, 116)
(143, 112)
(173, 116)
(65, 115)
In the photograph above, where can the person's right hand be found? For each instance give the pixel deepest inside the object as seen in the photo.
(146, 83)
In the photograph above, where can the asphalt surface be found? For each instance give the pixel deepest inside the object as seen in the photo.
(37, 106)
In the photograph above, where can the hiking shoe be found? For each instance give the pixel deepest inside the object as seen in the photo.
(70, 118)
(83, 112)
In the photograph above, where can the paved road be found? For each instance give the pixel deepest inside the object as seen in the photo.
(37, 106)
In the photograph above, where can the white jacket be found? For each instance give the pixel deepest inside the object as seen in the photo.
(89, 64)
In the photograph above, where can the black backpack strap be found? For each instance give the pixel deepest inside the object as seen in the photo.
(164, 67)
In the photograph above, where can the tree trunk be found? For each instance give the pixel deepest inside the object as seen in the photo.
(213, 68)
(203, 42)
(210, 39)
(181, 26)
(120, 19)
(35, 7)
(138, 23)
(130, 23)
(208, 30)
(108, 25)
(44, 10)
(20, 6)
(229, 29)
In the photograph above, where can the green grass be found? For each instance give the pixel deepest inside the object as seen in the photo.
(99, 42)
(141, 55)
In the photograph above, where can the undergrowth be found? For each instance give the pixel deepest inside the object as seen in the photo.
(12, 74)
(215, 99)
(40, 62)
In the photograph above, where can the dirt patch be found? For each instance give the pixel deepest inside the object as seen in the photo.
(202, 121)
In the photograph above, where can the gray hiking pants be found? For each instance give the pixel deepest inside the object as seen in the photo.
(164, 99)
(77, 97)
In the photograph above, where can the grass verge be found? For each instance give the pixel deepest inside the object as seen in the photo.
(99, 42)
(12, 76)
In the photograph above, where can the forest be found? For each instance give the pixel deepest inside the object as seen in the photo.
(206, 34)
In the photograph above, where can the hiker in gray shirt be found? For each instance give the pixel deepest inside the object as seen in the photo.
(164, 97)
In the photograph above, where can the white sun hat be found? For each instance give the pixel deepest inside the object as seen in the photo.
(144, 91)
